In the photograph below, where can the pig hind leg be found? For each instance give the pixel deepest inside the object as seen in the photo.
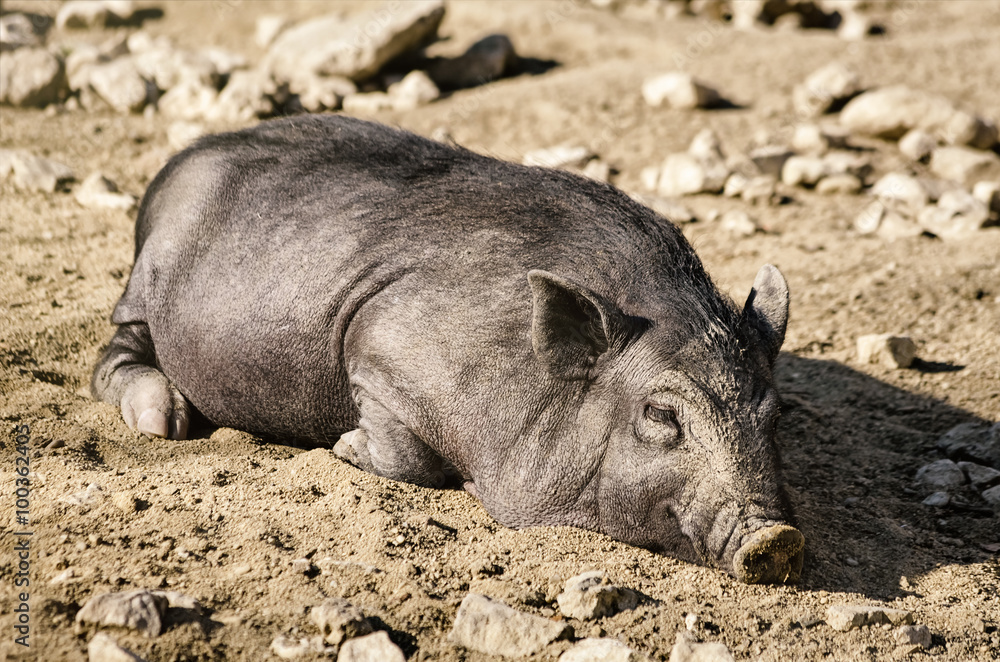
(383, 445)
(127, 377)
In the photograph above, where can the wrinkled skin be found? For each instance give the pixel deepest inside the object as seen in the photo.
(447, 318)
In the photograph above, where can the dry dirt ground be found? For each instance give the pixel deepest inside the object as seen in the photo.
(220, 517)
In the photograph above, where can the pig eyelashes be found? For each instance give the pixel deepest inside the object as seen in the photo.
(662, 415)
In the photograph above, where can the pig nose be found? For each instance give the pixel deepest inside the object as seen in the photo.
(772, 555)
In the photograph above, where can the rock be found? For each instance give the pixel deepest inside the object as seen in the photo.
(140, 610)
(94, 13)
(168, 67)
(189, 100)
(679, 90)
(937, 500)
(686, 649)
(22, 30)
(97, 191)
(981, 477)
(992, 497)
(988, 193)
(247, 96)
(31, 77)
(416, 89)
(890, 112)
(962, 164)
(901, 192)
(181, 133)
(597, 170)
(223, 61)
(838, 162)
(825, 90)
(683, 174)
(736, 183)
(367, 103)
(269, 27)
(870, 218)
(705, 145)
(803, 171)
(957, 215)
(588, 596)
(940, 475)
(855, 26)
(848, 617)
(886, 349)
(671, 210)
(817, 140)
(126, 502)
(738, 223)
(356, 47)
(489, 58)
(973, 442)
(917, 144)
(770, 159)
(843, 183)
(561, 156)
(338, 620)
(103, 648)
(120, 85)
(31, 172)
(760, 190)
(371, 648)
(491, 627)
(288, 648)
(913, 635)
(601, 650)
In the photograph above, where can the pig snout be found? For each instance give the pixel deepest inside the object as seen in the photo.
(772, 554)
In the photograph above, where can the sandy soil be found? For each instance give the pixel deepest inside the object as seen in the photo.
(221, 517)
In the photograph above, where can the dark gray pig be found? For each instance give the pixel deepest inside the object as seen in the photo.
(542, 339)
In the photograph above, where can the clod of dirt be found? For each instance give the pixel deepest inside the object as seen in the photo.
(103, 648)
(34, 173)
(369, 648)
(601, 650)
(489, 626)
(686, 649)
(913, 634)
(140, 610)
(848, 617)
(288, 648)
(31, 77)
(338, 620)
(97, 191)
(588, 596)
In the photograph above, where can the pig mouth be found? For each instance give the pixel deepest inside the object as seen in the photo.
(771, 555)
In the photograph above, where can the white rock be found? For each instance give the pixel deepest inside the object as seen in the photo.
(103, 648)
(649, 177)
(803, 171)
(188, 100)
(848, 617)
(31, 77)
(120, 85)
(367, 103)
(488, 59)
(269, 27)
(288, 648)
(141, 42)
(917, 144)
(691, 620)
(824, 88)
(988, 193)
(738, 223)
(94, 13)
(601, 650)
(416, 89)
(683, 174)
(97, 191)
(992, 497)
(706, 146)
(168, 67)
(687, 650)
(940, 475)
(371, 648)
(855, 26)
(736, 183)
(980, 476)
(598, 170)
(957, 215)
(890, 112)
(31, 172)
(843, 183)
(588, 596)
(901, 192)
(491, 627)
(561, 156)
(19, 30)
(318, 93)
(962, 164)
(223, 61)
(338, 620)
(182, 133)
(870, 218)
(886, 349)
(760, 190)
(813, 139)
(356, 47)
(679, 90)
(140, 610)
(247, 95)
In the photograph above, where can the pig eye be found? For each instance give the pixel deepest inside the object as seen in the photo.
(663, 415)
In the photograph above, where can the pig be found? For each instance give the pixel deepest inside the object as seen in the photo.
(449, 319)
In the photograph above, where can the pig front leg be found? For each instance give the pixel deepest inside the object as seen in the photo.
(127, 377)
(384, 446)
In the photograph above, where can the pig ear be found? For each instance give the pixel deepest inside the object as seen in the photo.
(571, 327)
(766, 309)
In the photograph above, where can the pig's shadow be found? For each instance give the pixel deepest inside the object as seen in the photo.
(851, 447)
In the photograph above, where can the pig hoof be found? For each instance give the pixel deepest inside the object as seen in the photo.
(151, 405)
(772, 556)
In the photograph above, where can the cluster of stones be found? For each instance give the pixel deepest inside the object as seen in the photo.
(971, 463)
